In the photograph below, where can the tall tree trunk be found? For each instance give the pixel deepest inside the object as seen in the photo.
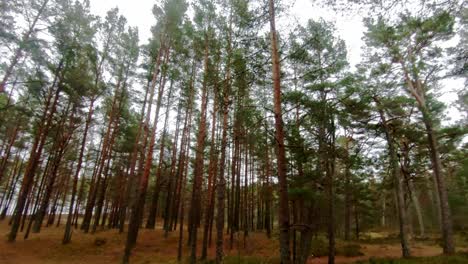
(10, 180)
(182, 204)
(212, 168)
(38, 189)
(89, 205)
(268, 193)
(67, 234)
(221, 183)
(356, 221)
(183, 156)
(115, 122)
(61, 141)
(138, 206)
(180, 165)
(101, 192)
(347, 191)
(6, 154)
(199, 156)
(307, 216)
(64, 197)
(283, 217)
(39, 196)
(172, 180)
(446, 218)
(12, 187)
(131, 184)
(235, 180)
(383, 221)
(100, 166)
(417, 90)
(330, 171)
(151, 222)
(397, 181)
(417, 208)
(35, 154)
(245, 205)
(404, 164)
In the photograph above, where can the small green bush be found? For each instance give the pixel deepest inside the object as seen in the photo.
(350, 250)
(318, 247)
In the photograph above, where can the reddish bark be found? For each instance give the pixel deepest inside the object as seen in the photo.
(283, 216)
(36, 151)
(195, 207)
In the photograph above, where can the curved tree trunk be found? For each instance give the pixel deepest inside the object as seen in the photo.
(417, 89)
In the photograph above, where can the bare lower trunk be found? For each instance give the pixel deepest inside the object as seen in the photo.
(212, 168)
(383, 221)
(347, 191)
(306, 235)
(398, 185)
(151, 222)
(446, 218)
(68, 234)
(417, 208)
(6, 154)
(138, 207)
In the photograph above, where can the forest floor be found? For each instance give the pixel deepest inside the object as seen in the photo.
(152, 247)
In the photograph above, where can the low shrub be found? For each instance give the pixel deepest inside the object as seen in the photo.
(350, 250)
(318, 247)
(455, 259)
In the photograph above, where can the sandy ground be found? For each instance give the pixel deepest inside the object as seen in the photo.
(152, 247)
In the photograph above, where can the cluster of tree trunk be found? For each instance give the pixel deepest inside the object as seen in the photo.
(214, 137)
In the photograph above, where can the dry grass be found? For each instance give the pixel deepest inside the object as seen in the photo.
(152, 247)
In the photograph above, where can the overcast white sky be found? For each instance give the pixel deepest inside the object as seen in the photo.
(138, 13)
(350, 29)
